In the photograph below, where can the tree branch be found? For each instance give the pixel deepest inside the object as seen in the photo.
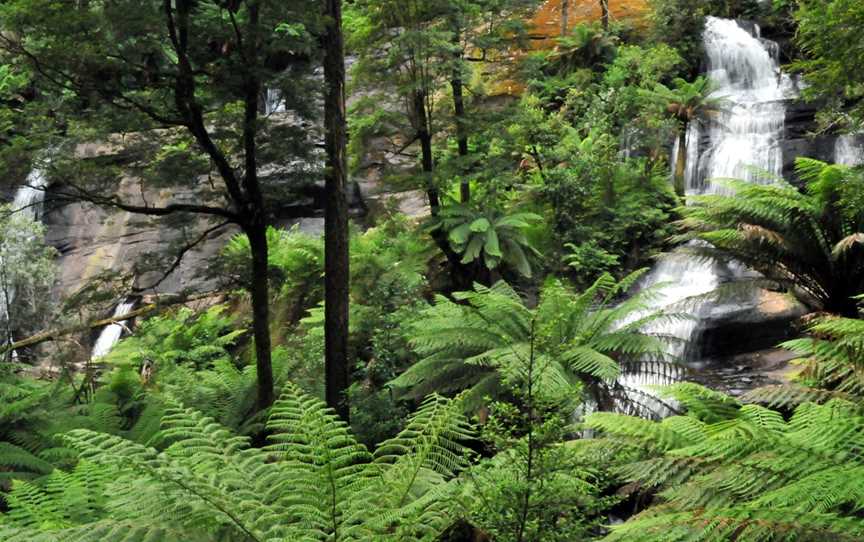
(179, 258)
(83, 195)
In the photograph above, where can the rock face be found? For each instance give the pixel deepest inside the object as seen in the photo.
(761, 322)
(800, 139)
(92, 240)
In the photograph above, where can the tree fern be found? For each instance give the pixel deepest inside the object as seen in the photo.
(809, 241)
(744, 472)
(481, 342)
(831, 362)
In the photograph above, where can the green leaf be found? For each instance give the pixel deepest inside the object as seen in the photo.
(472, 252)
(480, 225)
(492, 248)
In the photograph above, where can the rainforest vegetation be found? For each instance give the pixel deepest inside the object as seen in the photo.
(431, 270)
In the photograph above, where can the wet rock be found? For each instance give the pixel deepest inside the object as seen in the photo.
(761, 322)
(742, 373)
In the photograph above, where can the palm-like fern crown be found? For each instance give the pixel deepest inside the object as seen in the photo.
(482, 341)
(685, 101)
(811, 240)
(741, 472)
(490, 236)
(313, 482)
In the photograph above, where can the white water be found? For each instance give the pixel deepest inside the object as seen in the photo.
(848, 150)
(743, 141)
(27, 204)
(744, 137)
(273, 102)
(112, 332)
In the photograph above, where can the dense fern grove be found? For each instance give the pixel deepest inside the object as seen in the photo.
(432, 271)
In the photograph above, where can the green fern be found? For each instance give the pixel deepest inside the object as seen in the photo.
(744, 473)
(480, 342)
(832, 366)
(809, 241)
(313, 482)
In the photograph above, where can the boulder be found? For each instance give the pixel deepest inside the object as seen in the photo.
(762, 321)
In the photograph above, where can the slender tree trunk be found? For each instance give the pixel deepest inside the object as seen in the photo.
(260, 290)
(459, 112)
(604, 17)
(565, 17)
(424, 134)
(461, 277)
(336, 261)
(681, 164)
(256, 222)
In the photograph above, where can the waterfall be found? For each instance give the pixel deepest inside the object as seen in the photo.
(741, 141)
(848, 150)
(745, 135)
(27, 204)
(112, 332)
(273, 102)
(31, 195)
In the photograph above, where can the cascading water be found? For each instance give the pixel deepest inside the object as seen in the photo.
(848, 150)
(31, 195)
(743, 142)
(746, 132)
(273, 102)
(27, 205)
(112, 332)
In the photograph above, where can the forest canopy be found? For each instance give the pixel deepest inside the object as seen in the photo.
(444, 271)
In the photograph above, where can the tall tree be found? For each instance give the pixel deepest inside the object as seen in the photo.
(565, 17)
(604, 14)
(336, 261)
(186, 77)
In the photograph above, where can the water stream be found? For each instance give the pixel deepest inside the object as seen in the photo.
(848, 150)
(740, 141)
(112, 332)
(27, 205)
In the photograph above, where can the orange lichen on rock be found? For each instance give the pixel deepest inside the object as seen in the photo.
(545, 27)
(547, 21)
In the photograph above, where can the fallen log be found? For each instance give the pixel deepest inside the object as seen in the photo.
(149, 308)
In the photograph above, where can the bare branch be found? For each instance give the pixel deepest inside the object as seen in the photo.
(179, 258)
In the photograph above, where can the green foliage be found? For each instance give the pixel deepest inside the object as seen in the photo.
(27, 271)
(489, 236)
(809, 241)
(827, 34)
(686, 101)
(586, 47)
(481, 341)
(832, 366)
(313, 482)
(535, 486)
(295, 259)
(743, 472)
(193, 359)
(180, 338)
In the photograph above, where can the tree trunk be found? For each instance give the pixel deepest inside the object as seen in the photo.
(604, 11)
(681, 164)
(565, 17)
(336, 261)
(255, 224)
(424, 134)
(260, 290)
(459, 112)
